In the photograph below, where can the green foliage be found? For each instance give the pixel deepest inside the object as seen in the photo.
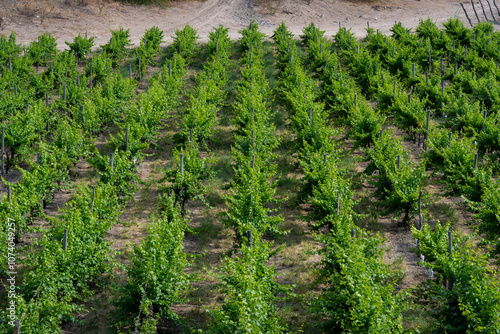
(250, 287)
(122, 175)
(156, 274)
(470, 304)
(248, 201)
(81, 46)
(149, 48)
(116, 47)
(187, 185)
(184, 42)
(99, 68)
(44, 49)
(400, 187)
(488, 215)
(8, 50)
(252, 38)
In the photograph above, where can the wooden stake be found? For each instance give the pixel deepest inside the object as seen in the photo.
(253, 161)
(475, 161)
(399, 162)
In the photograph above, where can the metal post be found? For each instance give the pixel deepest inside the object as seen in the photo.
(249, 238)
(182, 163)
(126, 139)
(65, 239)
(253, 161)
(420, 218)
(3, 150)
(111, 162)
(93, 200)
(338, 203)
(484, 119)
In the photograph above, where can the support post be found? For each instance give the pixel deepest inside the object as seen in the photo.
(111, 162)
(93, 200)
(126, 139)
(65, 239)
(338, 203)
(182, 163)
(249, 238)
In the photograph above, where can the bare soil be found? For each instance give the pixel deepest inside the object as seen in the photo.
(65, 21)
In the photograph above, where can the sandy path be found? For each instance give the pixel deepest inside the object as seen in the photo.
(66, 21)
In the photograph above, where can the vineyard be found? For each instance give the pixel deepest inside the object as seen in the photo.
(270, 184)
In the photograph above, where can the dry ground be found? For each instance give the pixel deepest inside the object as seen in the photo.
(65, 21)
